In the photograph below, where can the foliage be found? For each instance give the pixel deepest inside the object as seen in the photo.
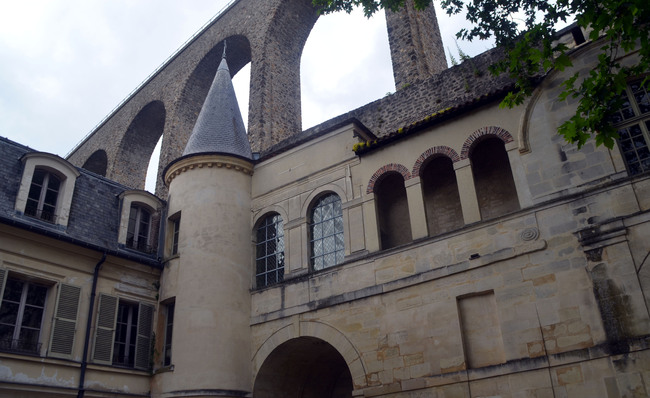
(526, 30)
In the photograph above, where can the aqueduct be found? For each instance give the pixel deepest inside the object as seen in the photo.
(270, 35)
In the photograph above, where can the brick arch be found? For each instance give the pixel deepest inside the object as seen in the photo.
(137, 145)
(391, 167)
(476, 136)
(320, 331)
(433, 151)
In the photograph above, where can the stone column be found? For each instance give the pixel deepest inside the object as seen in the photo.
(467, 191)
(415, 44)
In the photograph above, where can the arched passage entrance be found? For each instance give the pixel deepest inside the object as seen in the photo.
(304, 367)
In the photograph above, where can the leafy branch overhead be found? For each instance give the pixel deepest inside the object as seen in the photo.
(526, 29)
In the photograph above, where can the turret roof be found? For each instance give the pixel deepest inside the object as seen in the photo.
(219, 127)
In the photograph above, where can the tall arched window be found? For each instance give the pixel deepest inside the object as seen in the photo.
(269, 257)
(137, 236)
(441, 197)
(495, 187)
(43, 195)
(392, 211)
(326, 229)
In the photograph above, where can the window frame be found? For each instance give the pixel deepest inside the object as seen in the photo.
(275, 221)
(104, 340)
(57, 166)
(339, 252)
(41, 198)
(152, 204)
(638, 118)
(169, 328)
(20, 313)
(135, 234)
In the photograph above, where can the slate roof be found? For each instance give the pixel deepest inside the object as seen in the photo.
(94, 213)
(220, 127)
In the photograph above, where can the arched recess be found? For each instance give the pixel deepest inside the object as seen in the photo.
(440, 193)
(495, 186)
(305, 367)
(309, 331)
(97, 163)
(392, 210)
(138, 144)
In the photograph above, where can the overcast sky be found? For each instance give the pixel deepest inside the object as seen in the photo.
(66, 64)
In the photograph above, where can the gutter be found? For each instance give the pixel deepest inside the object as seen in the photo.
(155, 263)
(84, 359)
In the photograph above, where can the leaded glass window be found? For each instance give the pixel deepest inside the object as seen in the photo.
(633, 123)
(326, 228)
(269, 257)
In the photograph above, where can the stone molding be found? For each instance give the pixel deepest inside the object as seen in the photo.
(498, 132)
(385, 169)
(209, 161)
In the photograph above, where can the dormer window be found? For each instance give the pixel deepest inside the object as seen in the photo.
(137, 236)
(46, 188)
(138, 221)
(43, 195)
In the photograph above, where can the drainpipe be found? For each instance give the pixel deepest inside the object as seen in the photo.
(84, 360)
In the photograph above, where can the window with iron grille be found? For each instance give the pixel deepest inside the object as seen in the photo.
(137, 236)
(43, 195)
(21, 316)
(326, 232)
(169, 326)
(633, 124)
(269, 258)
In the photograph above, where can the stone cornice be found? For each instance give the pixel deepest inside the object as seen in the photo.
(207, 160)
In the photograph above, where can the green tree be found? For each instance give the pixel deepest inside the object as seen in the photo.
(526, 30)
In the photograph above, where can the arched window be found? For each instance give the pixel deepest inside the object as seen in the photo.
(392, 211)
(326, 230)
(43, 195)
(269, 257)
(137, 235)
(495, 187)
(441, 197)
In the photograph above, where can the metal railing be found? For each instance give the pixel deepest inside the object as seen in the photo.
(152, 75)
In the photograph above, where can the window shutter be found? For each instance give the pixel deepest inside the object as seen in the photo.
(3, 279)
(65, 321)
(105, 329)
(143, 341)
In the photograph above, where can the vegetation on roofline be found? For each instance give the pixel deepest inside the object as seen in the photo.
(526, 30)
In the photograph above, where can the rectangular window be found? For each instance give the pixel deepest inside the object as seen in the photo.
(633, 124)
(176, 227)
(21, 316)
(123, 333)
(169, 327)
(126, 332)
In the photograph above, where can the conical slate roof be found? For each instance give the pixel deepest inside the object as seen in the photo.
(220, 127)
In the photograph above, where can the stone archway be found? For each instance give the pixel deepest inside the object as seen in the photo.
(304, 367)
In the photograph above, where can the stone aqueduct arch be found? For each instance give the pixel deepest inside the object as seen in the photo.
(271, 35)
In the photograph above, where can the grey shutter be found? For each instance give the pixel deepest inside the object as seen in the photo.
(3, 279)
(105, 329)
(65, 321)
(143, 341)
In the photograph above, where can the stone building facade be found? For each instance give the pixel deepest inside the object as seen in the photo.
(429, 244)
